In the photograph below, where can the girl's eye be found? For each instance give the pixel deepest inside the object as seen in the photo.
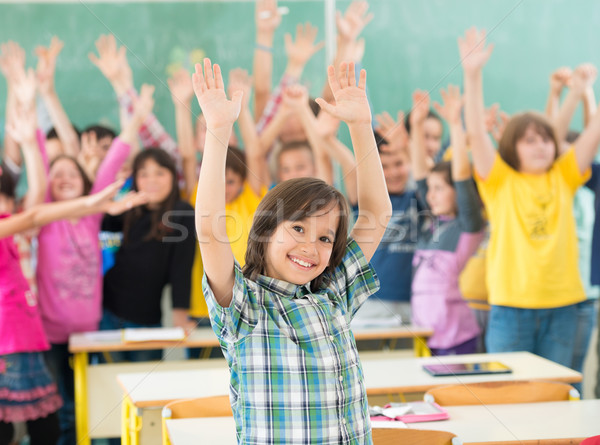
(298, 229)
(326, 239)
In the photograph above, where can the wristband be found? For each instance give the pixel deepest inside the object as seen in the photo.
(264, 48)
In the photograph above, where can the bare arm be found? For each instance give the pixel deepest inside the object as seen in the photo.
(342, 154)
(256, 164)
(181, 94)
(418, 156)
(267, 21)
(450, 111)
(12, 64)
(45, 74)
(374, 204)
(558, 80)
(220, 114)
(43, 214)
(589, 106)
(474, 54)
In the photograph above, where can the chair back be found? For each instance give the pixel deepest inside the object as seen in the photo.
(501, 392)
(215, 406)
(409, 436)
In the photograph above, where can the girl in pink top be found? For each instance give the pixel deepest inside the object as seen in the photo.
(69, 270)
(27, 391)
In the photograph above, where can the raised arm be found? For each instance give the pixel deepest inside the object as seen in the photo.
(474, 54)
(296, 98)
(256, 164)
(450, 111)
(583, 78)
(267, 20)
(220, 114)
(180, 85)
(418, 156)
(12, 64)
(393, 131)
(352, 106)
(22, 129)
(43, 214)
(589, 106)
(559, 79)
(349, 26)
(46, 68)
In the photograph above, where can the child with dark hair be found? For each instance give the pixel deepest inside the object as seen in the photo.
(69, 272)
(286, 316)
(157, 250)
(456, 231)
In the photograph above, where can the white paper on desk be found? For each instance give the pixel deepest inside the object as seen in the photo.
(387, 424)
(153, 334)
(396, 411)
(103, 336)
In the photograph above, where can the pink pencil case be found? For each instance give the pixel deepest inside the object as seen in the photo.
(411, 412)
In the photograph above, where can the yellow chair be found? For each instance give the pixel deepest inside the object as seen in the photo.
(491, 393)
(397, 436)
(216, 406)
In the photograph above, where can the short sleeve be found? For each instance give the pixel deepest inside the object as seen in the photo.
(569, 170)
(355, 278)
(239, 319)
(498, 174)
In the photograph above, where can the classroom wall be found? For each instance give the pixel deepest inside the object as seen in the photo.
(410, 44)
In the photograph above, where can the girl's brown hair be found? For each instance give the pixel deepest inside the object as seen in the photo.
(87, 183)
(516, 129)
(294, 200)
(158, 230)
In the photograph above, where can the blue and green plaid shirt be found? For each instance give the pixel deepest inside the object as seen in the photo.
(295, 373)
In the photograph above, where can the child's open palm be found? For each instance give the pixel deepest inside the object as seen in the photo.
(112, 61)
(180, 86)
(584, 77)
(218, 111)
(304, 47)
(351, 104)
(474, 54)
(47, 64)
(420, 108)
(240, 80)
(452, 106)
(394, 131)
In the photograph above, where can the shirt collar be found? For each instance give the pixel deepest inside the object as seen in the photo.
(283, 288)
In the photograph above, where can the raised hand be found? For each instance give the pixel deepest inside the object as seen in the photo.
(144, 103)
(180, 86)
(351, 24)
(304, 47)
(128, 202)
(112, 62)
(560, 79)
(583, 77)
(452, 106)
(24, 87)
(351, 104)
(47, 65)
(327, 125)
(218, 111)
(12, 60)
(23, 125)
(295, 97)
(266, 16)
(394, 131)
(420, 107)
(240, 80)
(474, 53)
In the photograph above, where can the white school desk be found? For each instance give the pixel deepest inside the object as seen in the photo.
(385, 373)
(524, 423)
(96, 391)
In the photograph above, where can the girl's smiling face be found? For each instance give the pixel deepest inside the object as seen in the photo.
(535, 152)
(299, 251)
(65, 180)
(441, 196)
(154, 180)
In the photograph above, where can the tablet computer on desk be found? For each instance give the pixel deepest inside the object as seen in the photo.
(448, 369)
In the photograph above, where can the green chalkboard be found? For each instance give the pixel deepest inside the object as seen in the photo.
(410, 44)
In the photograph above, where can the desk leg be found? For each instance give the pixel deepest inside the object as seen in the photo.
(420, 347)
(135, 423)
(125, 415)
(80, 364)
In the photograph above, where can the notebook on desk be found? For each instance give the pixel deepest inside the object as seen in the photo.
(153, 334)
(449, 369)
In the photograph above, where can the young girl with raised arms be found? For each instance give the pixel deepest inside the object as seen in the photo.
(456, 232)
(283, 322)
(528, 188)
